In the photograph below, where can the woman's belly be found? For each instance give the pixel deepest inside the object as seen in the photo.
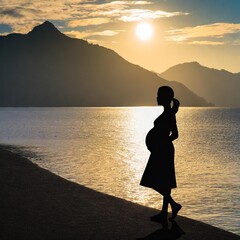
(156, 139)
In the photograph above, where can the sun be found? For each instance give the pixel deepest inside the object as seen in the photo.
(144, 31)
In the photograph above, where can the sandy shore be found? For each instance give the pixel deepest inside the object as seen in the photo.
(37, 204)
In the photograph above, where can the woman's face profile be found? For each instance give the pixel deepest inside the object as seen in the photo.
(163, 100)
(165, 96)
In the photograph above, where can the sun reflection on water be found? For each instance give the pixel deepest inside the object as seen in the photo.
(104, 149)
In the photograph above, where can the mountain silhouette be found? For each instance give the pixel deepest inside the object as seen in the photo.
(46, 30)
(47, 68)
(217, 86)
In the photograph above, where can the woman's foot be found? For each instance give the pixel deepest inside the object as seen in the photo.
(160, 218)
(175, 209)
(157, 217)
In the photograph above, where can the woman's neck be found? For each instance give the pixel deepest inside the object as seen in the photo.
(167, 108)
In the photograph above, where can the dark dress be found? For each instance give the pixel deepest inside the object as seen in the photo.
(159, 173)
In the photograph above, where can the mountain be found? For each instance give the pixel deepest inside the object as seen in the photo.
(217, 86)
(47, 68)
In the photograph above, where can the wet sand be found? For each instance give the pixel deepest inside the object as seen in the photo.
(37, 204)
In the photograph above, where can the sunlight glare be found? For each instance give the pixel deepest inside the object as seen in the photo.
(144, 31)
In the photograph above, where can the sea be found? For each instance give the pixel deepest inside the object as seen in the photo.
(104, 149)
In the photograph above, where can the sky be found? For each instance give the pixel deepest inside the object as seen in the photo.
(206, 31)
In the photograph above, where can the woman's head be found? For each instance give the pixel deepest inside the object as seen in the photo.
(165, 95)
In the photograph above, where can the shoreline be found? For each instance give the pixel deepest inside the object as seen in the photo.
(37, 204)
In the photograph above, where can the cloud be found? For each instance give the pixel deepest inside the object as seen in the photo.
(4, 33)
(77, 34)
(23, 15)
(87, 34)
(133, 15)
(138, 2)
(127, 3)
(87, 22)
(236, 42)
(10, 12)
(195, 34)
(212, 43)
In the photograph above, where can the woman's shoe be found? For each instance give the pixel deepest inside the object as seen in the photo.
(157, 217)
(175, 211)
(160, 218)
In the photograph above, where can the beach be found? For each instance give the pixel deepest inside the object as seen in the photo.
(37, 204)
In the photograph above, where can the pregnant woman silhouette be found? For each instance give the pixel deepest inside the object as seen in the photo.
(160, 172)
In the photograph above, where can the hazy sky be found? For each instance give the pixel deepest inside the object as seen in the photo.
(207, 31)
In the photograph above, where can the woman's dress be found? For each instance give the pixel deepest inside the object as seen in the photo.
(159, 173)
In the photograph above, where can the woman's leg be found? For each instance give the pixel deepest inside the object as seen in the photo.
(160, 217)
(175, 208)
(164, 212)
(166, 199)
(171, 201)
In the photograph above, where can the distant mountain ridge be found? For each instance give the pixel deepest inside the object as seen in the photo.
(47, 68)
(217, 86)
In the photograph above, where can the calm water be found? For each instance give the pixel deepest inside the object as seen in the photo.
(104, 149)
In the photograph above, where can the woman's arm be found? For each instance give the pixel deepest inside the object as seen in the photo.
(175, 106)
(174, 130)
